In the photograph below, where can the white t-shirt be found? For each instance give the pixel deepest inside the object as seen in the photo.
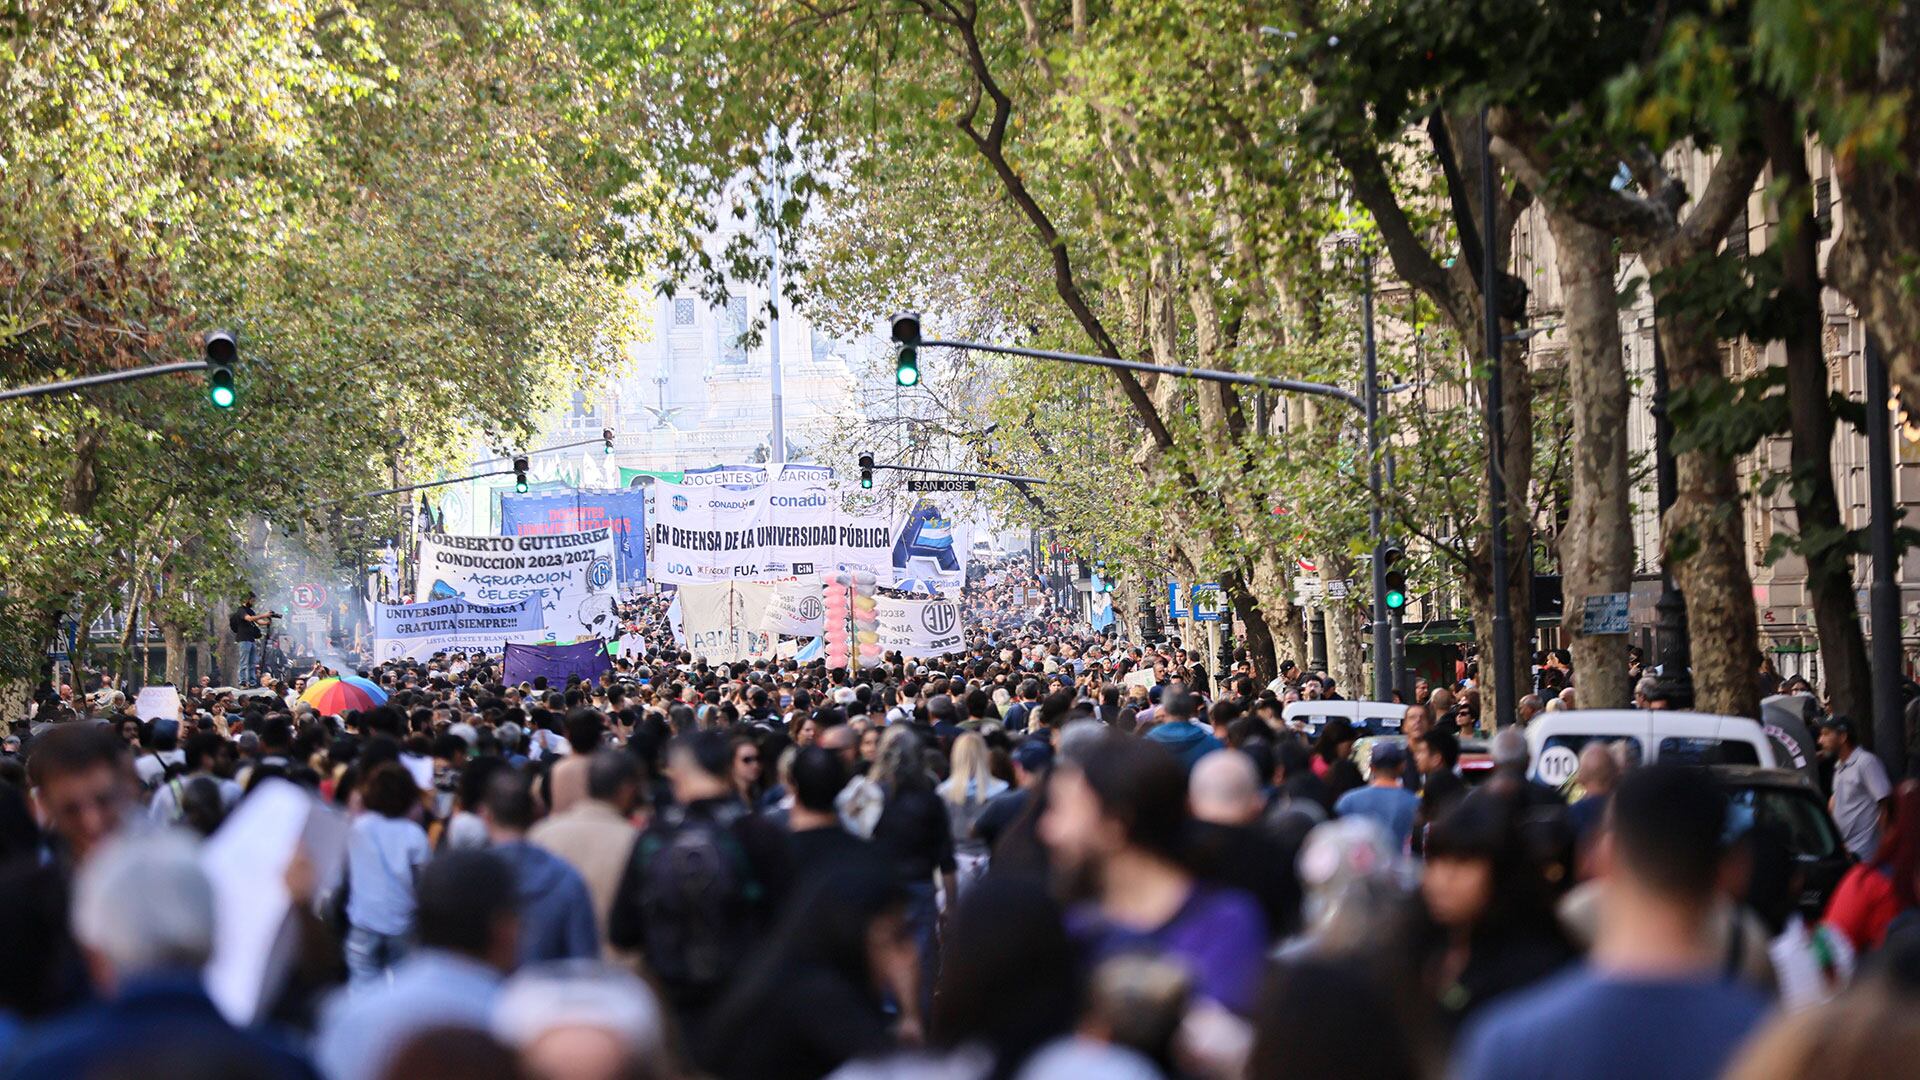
(150, 766)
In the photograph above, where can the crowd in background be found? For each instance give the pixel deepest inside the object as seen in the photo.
(1054, 855)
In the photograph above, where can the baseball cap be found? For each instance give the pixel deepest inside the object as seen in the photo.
(1840, 724)
(1388, 755)
(1033, 755)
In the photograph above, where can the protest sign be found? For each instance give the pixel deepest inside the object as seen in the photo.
(576, 510)
(157, 703)
(572, 573)
(587, 659)
(796, 609)
(919, 629)
(759, 532)
(417, 631)
(723, 621)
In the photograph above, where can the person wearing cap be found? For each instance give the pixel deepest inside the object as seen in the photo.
(1031, 760)
(1383, 799)
(1862, 794)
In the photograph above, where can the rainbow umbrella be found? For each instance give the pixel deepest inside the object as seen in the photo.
(334, 697)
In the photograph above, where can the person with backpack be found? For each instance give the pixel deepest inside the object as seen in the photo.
(703, 883)
(202, 759)
(158, 758)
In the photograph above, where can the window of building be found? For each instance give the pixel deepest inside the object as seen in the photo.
(683, 311)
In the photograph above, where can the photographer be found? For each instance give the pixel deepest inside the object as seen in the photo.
(246, 627)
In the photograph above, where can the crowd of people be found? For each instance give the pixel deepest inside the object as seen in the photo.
(1053, 855)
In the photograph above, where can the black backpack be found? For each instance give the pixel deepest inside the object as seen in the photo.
(699, 897)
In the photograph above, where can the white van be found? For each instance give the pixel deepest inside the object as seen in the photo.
(1555, 739)
(1367, 717)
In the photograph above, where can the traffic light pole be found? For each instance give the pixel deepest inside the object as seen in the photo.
(1383, 666)
(431, 484)
(1367, 403)
(1005, 477)
(542, 450)
(103, 379)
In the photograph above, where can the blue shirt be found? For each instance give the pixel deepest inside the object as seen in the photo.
(362, 1027)
(382, 855)
(1585, 1025)
(161, 1016)
(1393, 807)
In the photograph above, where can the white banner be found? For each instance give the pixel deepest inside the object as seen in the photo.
(920, 629)
(572, 573)
(796, 609)
(763, 532)
(723, 621)
(417, 631)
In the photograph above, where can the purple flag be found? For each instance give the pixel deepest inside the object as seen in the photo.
(586, 659)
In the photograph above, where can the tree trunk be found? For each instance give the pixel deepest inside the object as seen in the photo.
(1836, 616)
(1274, 586)
(1705, 536)
(1596, 544)
(1873, 260)
(1343, 633)
(175, 637)
(1252, 615)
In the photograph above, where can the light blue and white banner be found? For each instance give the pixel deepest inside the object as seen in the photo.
(417, 631)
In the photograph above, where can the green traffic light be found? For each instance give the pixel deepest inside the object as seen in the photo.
(907, 371)
(222, 396)
(866, 481)
(521, 487)
(1396, 599)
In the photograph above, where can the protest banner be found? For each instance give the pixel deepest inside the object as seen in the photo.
(743, 477)
(577, 510)
(919, 629)
(417, 631)
(929, 546)
(572, 573)
(723, 621)
(760, 532)
(587, 659)
(639, 478)
(796, 609)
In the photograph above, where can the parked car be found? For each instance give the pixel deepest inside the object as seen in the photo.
(1554, 740)
(1788, 801)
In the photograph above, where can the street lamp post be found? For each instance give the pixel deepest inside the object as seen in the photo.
(1383, 666)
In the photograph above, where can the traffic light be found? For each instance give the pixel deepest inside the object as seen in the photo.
(906, 331)
(1101, 583)
(866, 470)
(606, 437)
(221, 352)
(520, 475)
(1396, 595)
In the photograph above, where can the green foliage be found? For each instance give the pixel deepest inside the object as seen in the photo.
(401, 210)
(1728, 417)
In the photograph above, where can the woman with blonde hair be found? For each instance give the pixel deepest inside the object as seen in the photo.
(966, 790)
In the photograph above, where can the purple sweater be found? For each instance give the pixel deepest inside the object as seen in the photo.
(1219, 934)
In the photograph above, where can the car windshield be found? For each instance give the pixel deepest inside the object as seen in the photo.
(1794, 813)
